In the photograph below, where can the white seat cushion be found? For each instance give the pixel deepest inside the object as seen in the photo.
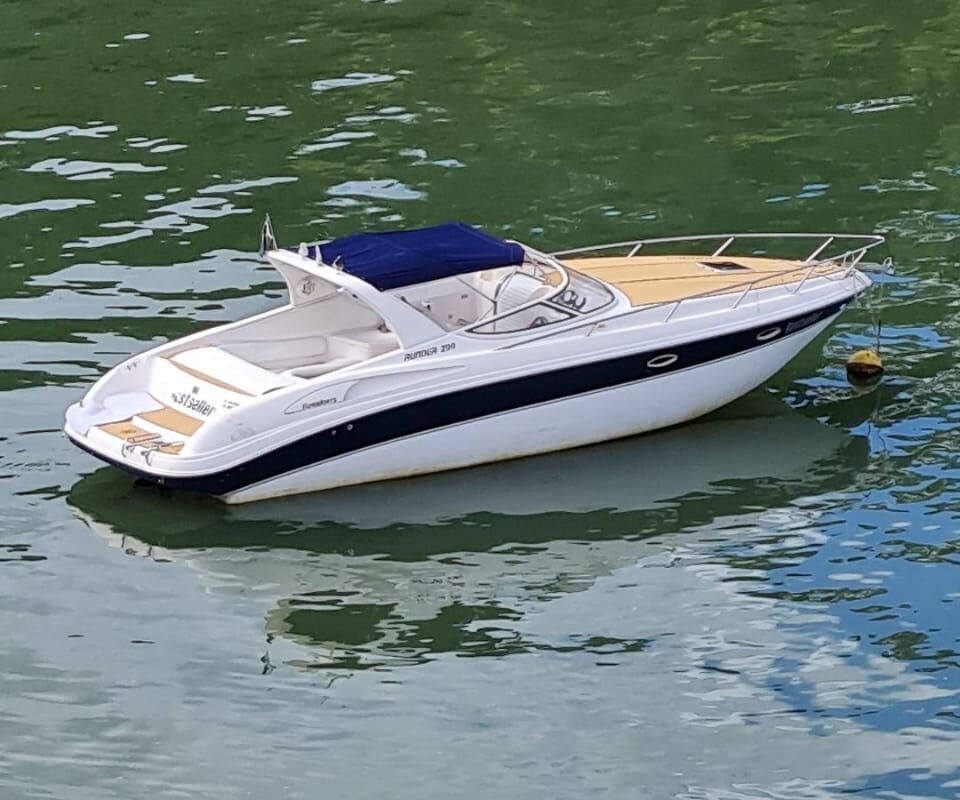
(229, 369)
(377, 341)
(360, 344)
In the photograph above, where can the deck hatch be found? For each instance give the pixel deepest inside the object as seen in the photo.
(724, 266)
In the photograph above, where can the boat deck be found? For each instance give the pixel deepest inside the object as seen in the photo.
(647, 280)
(165, 422)
(133, 434)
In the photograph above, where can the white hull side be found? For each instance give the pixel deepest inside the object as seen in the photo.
(580, 420)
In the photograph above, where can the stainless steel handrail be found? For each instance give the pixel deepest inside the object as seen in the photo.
(845, 261)
(751, 284)
(824, 240)
(594, 325)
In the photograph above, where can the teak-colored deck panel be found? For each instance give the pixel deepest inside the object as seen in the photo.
(647, 280)
(132, 433)
(173, 420)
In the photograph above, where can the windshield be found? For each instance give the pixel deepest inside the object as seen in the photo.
(465, 300)
(508, 299)
(583, 294)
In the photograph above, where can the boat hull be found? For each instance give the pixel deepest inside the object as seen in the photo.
(624, 410)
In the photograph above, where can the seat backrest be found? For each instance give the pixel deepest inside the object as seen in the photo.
(515, 290)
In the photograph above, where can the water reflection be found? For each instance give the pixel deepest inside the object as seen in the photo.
(399, 572)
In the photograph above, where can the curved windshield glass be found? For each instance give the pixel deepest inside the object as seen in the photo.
(508, 299)
(562, 296)
(477, 297)
(582, 294)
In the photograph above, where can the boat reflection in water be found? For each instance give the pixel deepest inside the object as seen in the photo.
(397, 572)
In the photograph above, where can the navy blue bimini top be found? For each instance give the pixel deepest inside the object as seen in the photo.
(402, 258)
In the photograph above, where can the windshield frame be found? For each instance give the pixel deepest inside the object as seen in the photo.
(571, 310)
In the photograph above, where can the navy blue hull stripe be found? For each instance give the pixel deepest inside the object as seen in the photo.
(464, 405)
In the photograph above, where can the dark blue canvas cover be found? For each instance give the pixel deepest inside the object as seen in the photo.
(402, 258)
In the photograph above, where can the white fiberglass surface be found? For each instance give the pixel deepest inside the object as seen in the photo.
(309, 334)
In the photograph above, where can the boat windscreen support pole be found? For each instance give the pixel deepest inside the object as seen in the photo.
(473, 288)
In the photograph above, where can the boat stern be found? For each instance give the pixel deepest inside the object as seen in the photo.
(162, 418)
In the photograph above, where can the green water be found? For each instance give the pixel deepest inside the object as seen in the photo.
(761, 605)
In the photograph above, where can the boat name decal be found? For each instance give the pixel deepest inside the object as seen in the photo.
(192, 403)
(446, 347)
(803, 322)
(427, 351)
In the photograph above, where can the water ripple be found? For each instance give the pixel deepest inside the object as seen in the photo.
(89, 170)
(351, 80)
(383, 189)
(333, 141)
(93, 130)
(242, 186)
(161, 145)
(58, 204)
(260, 113)
(877, 104)
(185, 77)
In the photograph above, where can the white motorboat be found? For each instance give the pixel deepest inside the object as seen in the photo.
(425, 350)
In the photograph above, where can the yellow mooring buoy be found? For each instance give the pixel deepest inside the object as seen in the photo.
(864, 368)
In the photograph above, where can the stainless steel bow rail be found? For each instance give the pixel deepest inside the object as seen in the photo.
(844, 251)
(822, 251)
